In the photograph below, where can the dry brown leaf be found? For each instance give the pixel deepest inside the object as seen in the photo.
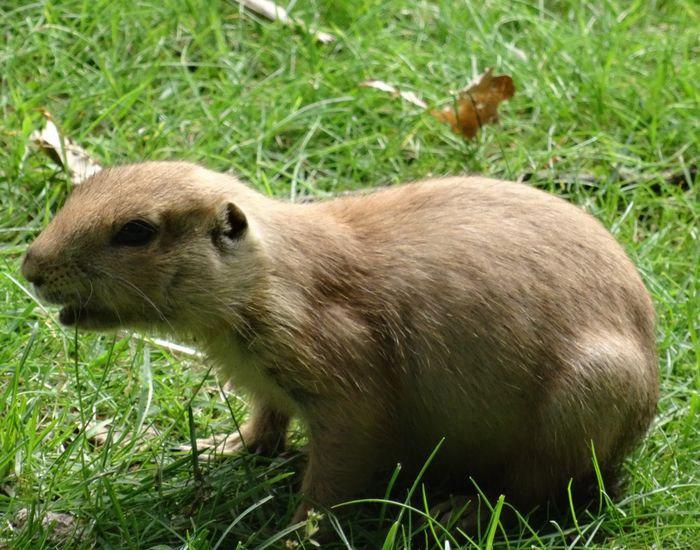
(477, 104)
(393, 90)
(215, 447)
(64, 152)
(474, 106)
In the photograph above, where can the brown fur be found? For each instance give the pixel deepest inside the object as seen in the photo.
(487, 313)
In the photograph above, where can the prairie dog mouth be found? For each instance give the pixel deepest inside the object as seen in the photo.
(85, 317)
(49, 297)
(70, 315)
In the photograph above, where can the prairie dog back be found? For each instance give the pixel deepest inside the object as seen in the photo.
(488, 313)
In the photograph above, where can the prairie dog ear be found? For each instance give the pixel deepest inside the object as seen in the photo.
(236, 222)
(231, 224)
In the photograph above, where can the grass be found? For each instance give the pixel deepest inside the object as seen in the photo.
(605, 114)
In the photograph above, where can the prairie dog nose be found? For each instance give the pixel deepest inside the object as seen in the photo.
(31, 268)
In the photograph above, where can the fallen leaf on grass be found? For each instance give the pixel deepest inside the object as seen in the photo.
(473, 107)
(681, 178)
(386, 87)
(60, 525)
(64, 152)
(215, 447)
(99, 431)
(477, 105)
(272, 11)
(171, 346)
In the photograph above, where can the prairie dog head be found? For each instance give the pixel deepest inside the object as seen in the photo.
(157, 245)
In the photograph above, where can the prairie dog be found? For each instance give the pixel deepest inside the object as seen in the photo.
(488, 313)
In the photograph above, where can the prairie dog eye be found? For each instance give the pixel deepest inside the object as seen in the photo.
(134, 233)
